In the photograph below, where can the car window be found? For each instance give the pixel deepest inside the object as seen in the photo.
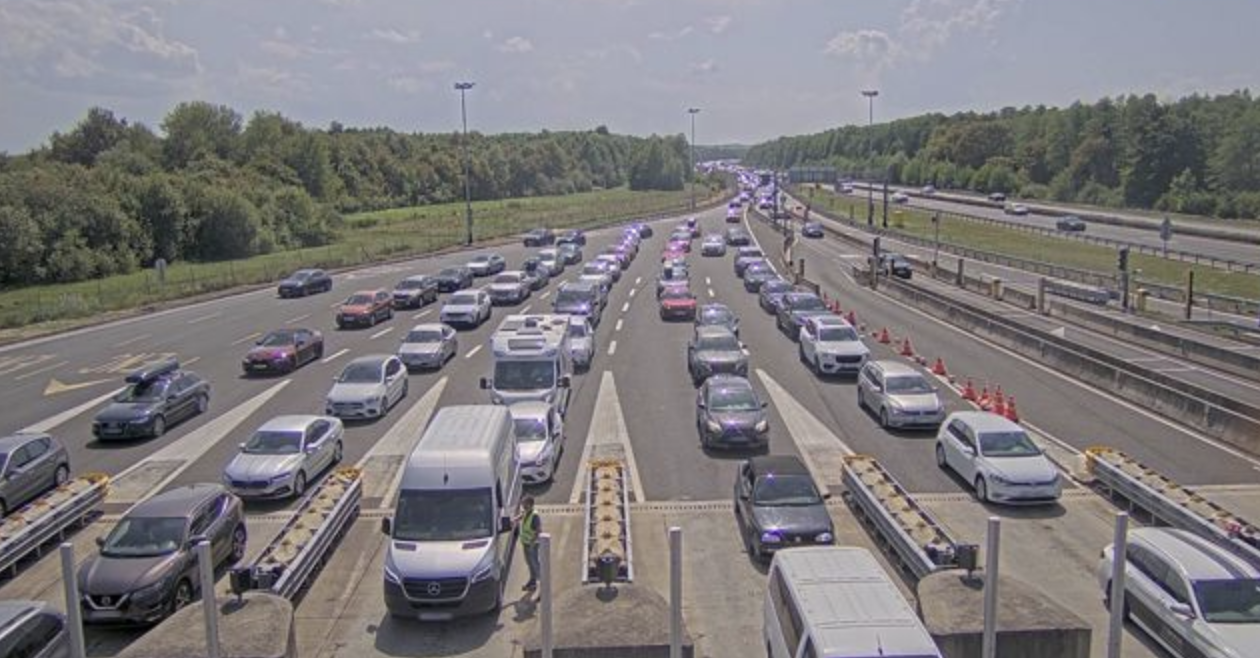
(392, 368)
(32, 637)
(19, 458)
(201, 521)
(36, 449)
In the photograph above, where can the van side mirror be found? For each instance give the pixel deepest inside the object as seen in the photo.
(505, 524)
(565, 382)
(485, 383)
(387, 526)
(1181, 610)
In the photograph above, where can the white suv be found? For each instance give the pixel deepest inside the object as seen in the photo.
(831, 346)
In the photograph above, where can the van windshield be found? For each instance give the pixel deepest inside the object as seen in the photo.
(450, 515)
(524, 375)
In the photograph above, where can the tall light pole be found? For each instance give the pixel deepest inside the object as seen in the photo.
(462, 88)
(693, 111)
(870, 95)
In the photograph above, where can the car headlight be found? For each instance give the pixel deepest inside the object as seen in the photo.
(1000, 479)
(484, 569)
(281, 477)
(714, 426)
(771, 537)
(824, 538)
(150, 592)
(762, 426)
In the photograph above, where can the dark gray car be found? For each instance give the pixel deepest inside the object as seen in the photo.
(147, 566)
(33, 629)
(159, 395)
(777, 506)
(730, 414)
(715, 350)
(757, 273)
(771, 293)
(718, 315)
(794, 307)
(304, 282)
(30, 464)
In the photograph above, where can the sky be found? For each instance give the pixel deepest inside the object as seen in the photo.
(756, 69)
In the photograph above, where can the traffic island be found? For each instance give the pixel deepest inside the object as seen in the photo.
(1029, 625)
(626, 621)
(256, 626)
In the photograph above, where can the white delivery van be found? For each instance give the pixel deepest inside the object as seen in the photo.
(451, 535)
(837, 602)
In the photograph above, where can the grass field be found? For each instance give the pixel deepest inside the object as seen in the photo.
(366, 238)
(1044, 248)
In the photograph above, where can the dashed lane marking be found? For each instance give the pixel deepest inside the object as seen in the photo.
(625, 307)
(526, 309)
(545, 295)
(711, 293)
(203, 318)
(421, 314)
(382, 332)
(638, 280)
(297, 319)
(472, 352)
(12, 364)
(612, 348)
(332, 357)
(618, 327)
(246, 339)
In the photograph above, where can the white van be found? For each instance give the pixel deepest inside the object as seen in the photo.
(451, 536)
(837, 602)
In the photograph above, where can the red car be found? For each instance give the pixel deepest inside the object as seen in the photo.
(681, 245)
(673, 255)
(677, 303)
(365, 308)
(284, 350)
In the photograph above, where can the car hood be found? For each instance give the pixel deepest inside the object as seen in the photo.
(843, 348)
(437, 559)
(1238, 639)
(125, 410)
(101, 575)
(918, 401)
(268, 353)
(246, 466)
(528, 451)
(419, 348)
(1023, 469)
(737, 419)
(355, 392)
(804, 519)
(355, 308)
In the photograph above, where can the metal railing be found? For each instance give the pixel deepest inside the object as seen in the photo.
(28, 529)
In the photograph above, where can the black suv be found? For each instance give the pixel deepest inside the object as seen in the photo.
(539, 237)
(305, 282)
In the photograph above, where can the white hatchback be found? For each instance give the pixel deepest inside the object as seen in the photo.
(998, 458)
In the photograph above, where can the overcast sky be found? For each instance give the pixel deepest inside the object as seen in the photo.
(756, 68)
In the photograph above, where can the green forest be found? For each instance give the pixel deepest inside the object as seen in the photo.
(1198, 155)
(109, 196)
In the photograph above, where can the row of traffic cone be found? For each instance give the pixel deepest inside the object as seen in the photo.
(999, 403)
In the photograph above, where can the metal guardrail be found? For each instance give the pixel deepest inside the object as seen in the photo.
(1078, 292)
(1172, 503)
(26, 530)
(919, 542)
(292, 559)
(607, 552)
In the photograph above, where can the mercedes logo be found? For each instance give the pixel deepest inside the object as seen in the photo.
(434, 589)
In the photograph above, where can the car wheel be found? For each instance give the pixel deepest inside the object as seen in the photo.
(182, 596)
(240, 539)
(338, 453)
(159, 426)
(203, 403)
(384, 406)
(883, 418)
(61, 475)
(861, 398)
(299, 484)
(940, 457)
(406, 388)
(982, 490)
(319, 351)
(389, 313)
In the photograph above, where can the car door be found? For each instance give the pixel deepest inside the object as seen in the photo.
(318, 446)
(954, 440)
(219, 527)
(42, 464)
(17, 478)
(393, 379)
(743, 500)
(808, 345)
(304, 346)
(450, 343)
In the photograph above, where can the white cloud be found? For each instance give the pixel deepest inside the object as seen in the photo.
(869, 47)
(705, 67)
(408, 84)
(391, 35)
(516, 44)
(671, 36)
(718, 24)
(608, 52)
(924, 27)
(271, 81)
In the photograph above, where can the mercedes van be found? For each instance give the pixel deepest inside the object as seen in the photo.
(451, 534)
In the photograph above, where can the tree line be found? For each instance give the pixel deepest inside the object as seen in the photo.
(1198, 155)
(110, 196)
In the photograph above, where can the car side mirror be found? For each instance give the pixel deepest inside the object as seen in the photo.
(1181, 610)
(826, 496)
(194, 540)
(100, 542)
(485, 383)
(701, 404)
(969, 451)
(505, 524)
(565, 382)
(764, 404)
(387, 526)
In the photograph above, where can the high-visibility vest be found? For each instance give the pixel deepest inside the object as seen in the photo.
(528, 535)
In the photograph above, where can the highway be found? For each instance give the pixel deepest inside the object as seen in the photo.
(638, 379)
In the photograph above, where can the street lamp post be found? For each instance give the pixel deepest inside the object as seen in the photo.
(870, 95)
(693, 111)
(462, 88)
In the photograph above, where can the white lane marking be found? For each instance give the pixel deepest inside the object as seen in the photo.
(545, 294)
(132, 340)
(472, 352)
(246, 339)
(40, 371)
(632, 291)
(708, 281)
(612, 348)
(189, 362)
(638, 280)
(297, 319)
(380, 333)
(753, 234)
(526, 309)
(334, 355)
(421, 314)
(335, 305)
(711, 293)
(625, 307)
(178, 455)
(822, 451)
(608, 428)
(399, 440)
(618, 327)
(48, 424)
(203, 318)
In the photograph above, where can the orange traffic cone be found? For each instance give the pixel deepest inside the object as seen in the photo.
(884, 338)
(938, 368)
(906, 348)
(969, 392)
(984, 400)
(852, 318)
(999, 402)
(1011, 413)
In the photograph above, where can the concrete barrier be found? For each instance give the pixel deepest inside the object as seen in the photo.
(259, 626)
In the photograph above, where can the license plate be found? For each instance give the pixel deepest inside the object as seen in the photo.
(106, 614)
(435, 616)
(258, 366)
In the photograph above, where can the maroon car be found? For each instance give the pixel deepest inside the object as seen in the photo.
(284, 350)
(677, 303)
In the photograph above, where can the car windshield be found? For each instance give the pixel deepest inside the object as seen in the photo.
(732, 398)
(270, 442)
(529, 430)
(910, 385)
(578, 331)
(361, 373)
(1232, 601)
(149, 391)
(449, 272)
(411, 284)
(144, 537)
(571, 297)
(462, 300)
(674, 274)
(524, 375)
(424, 336)
(450, 515)
(359, 300)
(757, 268)
(507, 278)
(302, 275)
(716, 316)
(722, 342)
(1007, 444)
(805, 303)
(837, 334)
(277, 339)
(785, 491)
(750, 253)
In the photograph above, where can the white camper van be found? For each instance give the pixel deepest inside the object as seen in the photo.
(451, 535)
(532, 361)
(837, 602)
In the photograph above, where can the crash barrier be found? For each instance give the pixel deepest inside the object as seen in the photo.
(1078, 292)
(46, 518)
(1172, 503)
(607, 554)
(1233, 421)
(304, 544)
(917, 540)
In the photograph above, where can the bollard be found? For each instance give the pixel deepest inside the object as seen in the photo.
(1115, 631)
(675, 592)
(544, 594)
(1041, 296)
(989, 646)
(958, 278)
(74, 612)
(209, 603)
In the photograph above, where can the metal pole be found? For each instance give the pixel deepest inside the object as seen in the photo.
(209, 603)
(989, 647)
(693, 111)
(870, 95)
(936, 249)
(463, 113)
(544, 593)
(675, 592)
(1115, 632)
(74, 612)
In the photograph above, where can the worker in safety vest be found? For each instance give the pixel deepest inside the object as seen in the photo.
(530, 526)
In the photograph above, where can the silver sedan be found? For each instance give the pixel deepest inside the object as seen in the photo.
(428, 346)
(282, 456)
(367, 388)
